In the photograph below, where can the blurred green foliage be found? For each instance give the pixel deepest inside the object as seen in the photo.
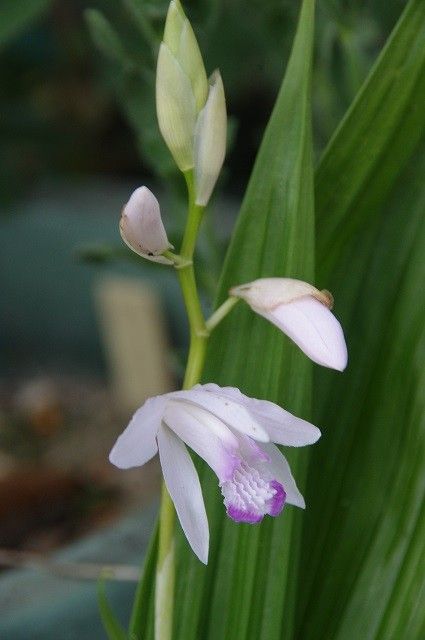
(66, 105)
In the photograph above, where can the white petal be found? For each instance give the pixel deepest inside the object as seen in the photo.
(210, 140)
(206, 435)
(183, 485)
(227, 408)
(141, 226)
(282, 473)
(281, 426)
(314, 328)
(175, 106)
(137, 444)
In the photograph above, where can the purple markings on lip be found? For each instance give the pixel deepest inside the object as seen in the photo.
(277, 502)
(239, 515)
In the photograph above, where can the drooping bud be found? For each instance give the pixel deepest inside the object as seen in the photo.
(141, 226)
(210, 140)
(303, 313)
(181, 86)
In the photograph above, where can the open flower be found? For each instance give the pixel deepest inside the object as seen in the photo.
(224, 427)
(303, 313)
(141, 226)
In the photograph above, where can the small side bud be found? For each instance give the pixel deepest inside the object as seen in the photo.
(210, 140)
(141, 226)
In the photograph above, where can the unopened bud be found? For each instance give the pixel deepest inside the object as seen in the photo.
(141, 226)
(210, 140)
(181, 86)
(181, 40)
(303, 313)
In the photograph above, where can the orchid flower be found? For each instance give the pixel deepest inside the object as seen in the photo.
(234, 434)
(303, 313)
(141, 226)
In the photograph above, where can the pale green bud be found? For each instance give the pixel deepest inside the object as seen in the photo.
(180, 39)
(210, 140)
(181, 86)
(175, 106)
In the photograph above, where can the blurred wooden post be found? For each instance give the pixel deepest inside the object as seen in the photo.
(133, 330)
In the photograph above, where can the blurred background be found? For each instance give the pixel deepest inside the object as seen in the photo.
(88, 331)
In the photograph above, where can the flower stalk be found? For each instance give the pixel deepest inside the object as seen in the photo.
(165, 572)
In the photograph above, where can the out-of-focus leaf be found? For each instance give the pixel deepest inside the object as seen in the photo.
(105, 37)
(133, 79)
(15, 15)
(113, 629)
(141, 622)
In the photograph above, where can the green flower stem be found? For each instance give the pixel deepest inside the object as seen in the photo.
(220, 313)
(193, 220)
(177, 260)
(165, 571)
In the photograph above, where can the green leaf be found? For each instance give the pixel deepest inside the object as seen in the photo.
(363, 534)
(375, 139)
(16, 15)
(274, 236)
(113, 629)
(142, 614)
(105, 37)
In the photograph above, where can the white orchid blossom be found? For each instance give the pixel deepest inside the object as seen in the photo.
(141, 226)
(234, 434)
(303, 313)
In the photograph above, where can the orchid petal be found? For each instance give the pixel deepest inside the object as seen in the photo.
(226, 408)
(314, 328)
(137, 444)
(206, 435)
(281, 471)
(280, 425)
(183, 485)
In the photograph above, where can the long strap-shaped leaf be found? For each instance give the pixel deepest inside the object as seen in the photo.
(374, 140)
(363, 534)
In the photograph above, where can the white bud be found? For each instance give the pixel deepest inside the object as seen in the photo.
(210, 140)
(303, 313)
(141, 226)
